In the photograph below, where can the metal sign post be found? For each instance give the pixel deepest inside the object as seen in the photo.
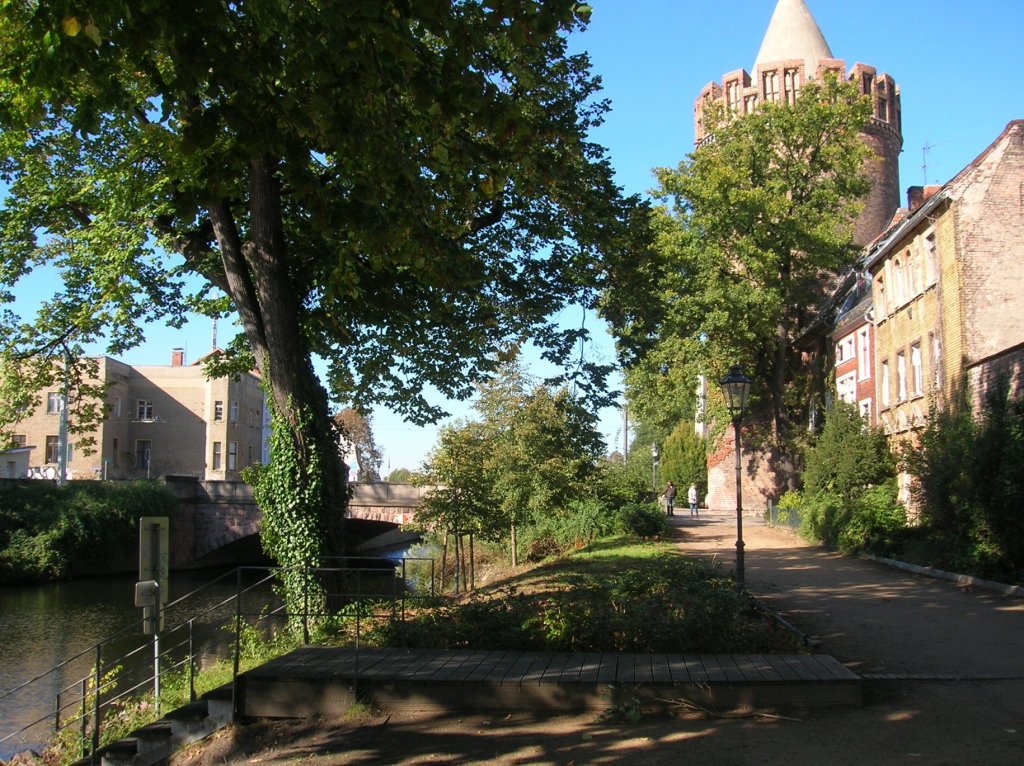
(152, 588)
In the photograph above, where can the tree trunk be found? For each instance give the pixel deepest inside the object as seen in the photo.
(259, 282)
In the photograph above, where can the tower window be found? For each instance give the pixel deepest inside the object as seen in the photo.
(732, 92)
(771, 86)
(883, 110)
(792, 85)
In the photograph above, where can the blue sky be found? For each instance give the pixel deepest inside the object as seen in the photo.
(958, 65)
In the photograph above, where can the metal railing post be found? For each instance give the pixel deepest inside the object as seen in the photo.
(191, 661)
(305, 605)
(238, 645)
(85, 717)
(96, 705)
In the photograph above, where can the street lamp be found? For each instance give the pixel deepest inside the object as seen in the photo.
(736, 387)
(654, 467)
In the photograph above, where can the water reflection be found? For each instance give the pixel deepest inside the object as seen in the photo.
(43, 625)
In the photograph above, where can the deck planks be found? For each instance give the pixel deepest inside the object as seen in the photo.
(506, 679)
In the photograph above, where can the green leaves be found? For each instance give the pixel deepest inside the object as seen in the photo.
(753, 225)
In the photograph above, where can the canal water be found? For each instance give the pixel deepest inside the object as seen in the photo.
(43, 625)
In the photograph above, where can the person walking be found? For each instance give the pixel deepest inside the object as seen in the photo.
(691, 496)
(670, 498)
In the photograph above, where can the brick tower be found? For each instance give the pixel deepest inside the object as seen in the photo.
(794, 51)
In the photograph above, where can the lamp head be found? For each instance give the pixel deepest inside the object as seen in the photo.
(736, 387)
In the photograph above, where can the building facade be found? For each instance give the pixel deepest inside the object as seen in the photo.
(160, 420)
(947, 304)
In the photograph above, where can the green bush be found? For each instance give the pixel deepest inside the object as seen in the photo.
(48, 532)
(640, 519)
(970, 486)
(669, 604)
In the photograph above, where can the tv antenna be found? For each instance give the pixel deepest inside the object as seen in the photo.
(924, 158)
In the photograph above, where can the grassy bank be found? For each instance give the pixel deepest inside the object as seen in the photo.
(615, 595)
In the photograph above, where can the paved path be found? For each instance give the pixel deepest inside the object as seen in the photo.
(873, 618)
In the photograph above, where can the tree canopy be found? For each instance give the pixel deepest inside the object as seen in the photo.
(533, 452)
(754, 223)
(405, 189)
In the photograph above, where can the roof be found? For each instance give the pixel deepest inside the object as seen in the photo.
(882, 246)
(793, 34)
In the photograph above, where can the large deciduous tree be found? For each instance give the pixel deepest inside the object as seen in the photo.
(399, 187)
(756, 224)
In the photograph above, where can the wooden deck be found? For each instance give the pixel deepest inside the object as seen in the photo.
(322, 681)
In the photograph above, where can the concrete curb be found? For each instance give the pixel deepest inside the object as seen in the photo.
(960, 579)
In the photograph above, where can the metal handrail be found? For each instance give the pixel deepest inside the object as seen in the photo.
(88, 700)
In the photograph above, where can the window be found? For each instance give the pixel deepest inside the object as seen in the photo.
(232, 456)
(218, 410)
(883, 110)
(143, 454)
(771, 86)
(916, 370)
(216, 456)
(20, 440)
(897, 281)
(844, 349)
(865, 409)
(868, 81)
(250, 460)
(233, 413)
(880, 297)
(54, 403)
(911, 273)
(751, 104)
(885, 383)
(931, 259)
(901, 377)
(114, 452)
(52, 449)
(863, 353)
(936, 346)
(144, 410)
(732, 95)
(116, 409)
(792, 85)
(846, 388)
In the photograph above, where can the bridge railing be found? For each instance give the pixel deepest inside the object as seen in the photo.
(128, 678)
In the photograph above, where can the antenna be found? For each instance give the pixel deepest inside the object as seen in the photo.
(924, 158)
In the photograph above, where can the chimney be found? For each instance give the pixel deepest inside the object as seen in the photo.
(177, 357)
(915, 198)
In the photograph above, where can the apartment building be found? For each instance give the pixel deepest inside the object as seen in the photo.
(947, 304)
(161, 420)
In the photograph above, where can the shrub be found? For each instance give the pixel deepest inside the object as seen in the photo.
(640, 519)
(970, 486)
(664, 604)
(49, 532)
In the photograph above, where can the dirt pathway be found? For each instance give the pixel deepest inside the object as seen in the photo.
(911, 636)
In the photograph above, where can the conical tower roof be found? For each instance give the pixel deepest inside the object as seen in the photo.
(793, 34)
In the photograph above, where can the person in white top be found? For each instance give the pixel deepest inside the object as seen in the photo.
(692, 497)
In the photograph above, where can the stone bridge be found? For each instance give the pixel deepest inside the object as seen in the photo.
(216, 514)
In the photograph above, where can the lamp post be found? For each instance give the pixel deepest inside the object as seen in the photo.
(654, 468)
(736, 387)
